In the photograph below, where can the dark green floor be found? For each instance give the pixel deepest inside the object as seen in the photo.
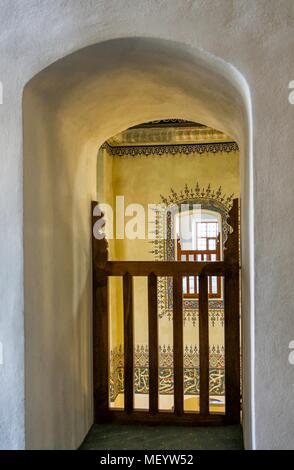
(132, 437)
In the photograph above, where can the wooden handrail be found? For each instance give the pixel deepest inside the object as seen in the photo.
(167, 268)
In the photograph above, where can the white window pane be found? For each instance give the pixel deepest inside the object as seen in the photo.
(184, 285)
(191, 257)
(201, 229)
(214, 284)
(212, 244)
(213, 257)
(201, 244)
(212, 229)
(183, 257)
(191, 285)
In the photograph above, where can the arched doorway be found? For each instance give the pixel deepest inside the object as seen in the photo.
(68, 112)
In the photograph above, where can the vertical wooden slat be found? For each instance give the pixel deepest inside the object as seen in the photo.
(204, 345)
(153, 343)
(128, 342)
(178, 345)
(195, 277)
(100, 345)
(100, 322)
(232, 327)
(232, 348)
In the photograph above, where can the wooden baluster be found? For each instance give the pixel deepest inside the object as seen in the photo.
(153, 343)
(128, 342)
(178, 345)
(204, 345)
(195, 277)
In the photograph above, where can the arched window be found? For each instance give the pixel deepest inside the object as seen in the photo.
(202, 213)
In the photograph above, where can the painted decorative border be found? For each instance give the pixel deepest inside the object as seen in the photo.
(166, 378)
(216, 312)
(159, 150)
(168, 123)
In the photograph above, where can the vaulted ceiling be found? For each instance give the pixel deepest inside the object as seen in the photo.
(167, 132)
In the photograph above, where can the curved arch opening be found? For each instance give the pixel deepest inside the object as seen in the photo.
(70, 109)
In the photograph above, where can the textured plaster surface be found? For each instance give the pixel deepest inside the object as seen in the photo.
(257, 38)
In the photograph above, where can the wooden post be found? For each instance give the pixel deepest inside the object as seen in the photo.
(100, 321)
(232, 313)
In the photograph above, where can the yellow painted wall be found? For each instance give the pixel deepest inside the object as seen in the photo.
(143, 179)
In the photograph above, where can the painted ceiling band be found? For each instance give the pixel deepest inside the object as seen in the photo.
(158, 150)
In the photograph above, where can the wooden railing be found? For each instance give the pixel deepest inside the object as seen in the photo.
(229, 270)
(200, 256)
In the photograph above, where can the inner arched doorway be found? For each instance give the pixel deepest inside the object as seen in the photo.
(166, 299)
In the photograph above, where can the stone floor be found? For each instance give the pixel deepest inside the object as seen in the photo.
(132, 437)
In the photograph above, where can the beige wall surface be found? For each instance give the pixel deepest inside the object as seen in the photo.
(67, 115)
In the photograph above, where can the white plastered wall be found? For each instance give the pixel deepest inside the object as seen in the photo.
(257, 37)
(69, 110)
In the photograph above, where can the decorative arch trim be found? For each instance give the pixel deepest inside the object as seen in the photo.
(210, 199)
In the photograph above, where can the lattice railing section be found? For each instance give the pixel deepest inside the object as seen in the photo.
(191, 370)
